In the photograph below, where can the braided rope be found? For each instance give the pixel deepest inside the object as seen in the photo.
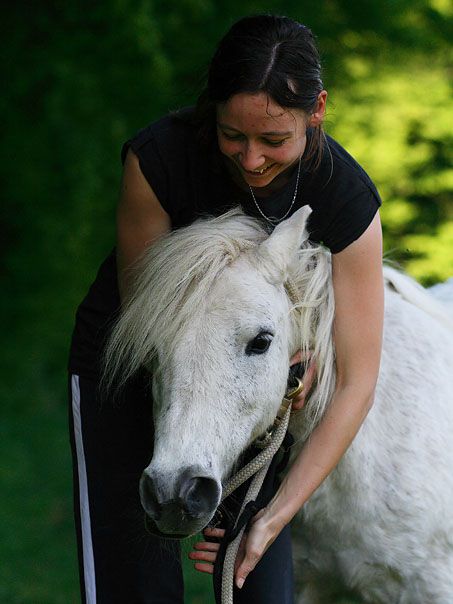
(258, 469)
(293, 292)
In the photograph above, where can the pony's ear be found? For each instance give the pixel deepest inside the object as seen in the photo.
(282, 245)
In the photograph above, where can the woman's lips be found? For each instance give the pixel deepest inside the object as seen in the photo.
(260, 172)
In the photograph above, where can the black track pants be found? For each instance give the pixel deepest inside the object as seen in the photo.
(119, 562)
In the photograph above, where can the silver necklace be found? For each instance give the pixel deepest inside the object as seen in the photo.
(275, 221)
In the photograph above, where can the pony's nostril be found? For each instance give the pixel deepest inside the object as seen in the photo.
(148, 497)
(199, 495)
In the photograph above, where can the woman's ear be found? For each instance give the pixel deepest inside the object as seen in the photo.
(279, 250)
(317, 117)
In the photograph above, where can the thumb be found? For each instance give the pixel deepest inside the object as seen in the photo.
(249, 562)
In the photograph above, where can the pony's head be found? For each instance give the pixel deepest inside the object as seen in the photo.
(218, 310)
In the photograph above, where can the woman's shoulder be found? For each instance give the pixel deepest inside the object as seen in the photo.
(169, 135)
(339, 176)
(343, 197)
(177, 166)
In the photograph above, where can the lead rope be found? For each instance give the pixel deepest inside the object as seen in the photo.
(257, 468)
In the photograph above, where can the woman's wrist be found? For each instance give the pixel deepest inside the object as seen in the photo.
(276, 515)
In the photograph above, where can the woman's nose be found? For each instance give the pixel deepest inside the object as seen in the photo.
(251, 158)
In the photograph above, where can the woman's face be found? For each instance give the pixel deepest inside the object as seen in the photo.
(261, 138)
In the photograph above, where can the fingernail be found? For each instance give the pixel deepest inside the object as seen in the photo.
(240, 583)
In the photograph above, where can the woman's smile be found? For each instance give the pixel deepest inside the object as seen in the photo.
(260, 172)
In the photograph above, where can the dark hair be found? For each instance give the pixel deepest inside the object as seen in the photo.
(264, 53)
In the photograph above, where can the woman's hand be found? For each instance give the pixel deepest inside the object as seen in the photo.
(261, 534)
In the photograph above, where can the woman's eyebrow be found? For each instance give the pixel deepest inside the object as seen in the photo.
(271, 133)
(277, 133)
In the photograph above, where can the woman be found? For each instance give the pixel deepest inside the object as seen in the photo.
(255, 138)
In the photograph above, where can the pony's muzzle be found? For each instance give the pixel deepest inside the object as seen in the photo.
(194, 499)
(148, 497)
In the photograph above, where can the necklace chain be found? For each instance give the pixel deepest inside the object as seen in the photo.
(275, 221)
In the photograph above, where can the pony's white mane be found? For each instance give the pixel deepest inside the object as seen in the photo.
(173, 278)
(169, 283)
(310, 289)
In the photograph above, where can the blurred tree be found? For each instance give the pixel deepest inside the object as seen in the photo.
(83, 77)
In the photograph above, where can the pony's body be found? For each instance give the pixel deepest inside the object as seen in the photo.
(381, 524)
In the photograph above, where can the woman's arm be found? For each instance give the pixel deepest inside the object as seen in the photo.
(359, 309)
(359, 304)
(140, 219)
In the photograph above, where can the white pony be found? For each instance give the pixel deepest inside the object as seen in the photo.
(219, 309)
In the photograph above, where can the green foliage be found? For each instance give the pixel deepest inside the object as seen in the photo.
(82, 78)
(406, 145)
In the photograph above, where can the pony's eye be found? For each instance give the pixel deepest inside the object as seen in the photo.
(259, 344)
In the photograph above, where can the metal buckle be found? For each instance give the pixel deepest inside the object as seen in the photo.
(291, 394)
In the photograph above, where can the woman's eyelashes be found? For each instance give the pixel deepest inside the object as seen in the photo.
(266, 141)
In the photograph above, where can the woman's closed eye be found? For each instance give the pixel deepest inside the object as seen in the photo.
(266, 141)
(278, 143)
(232, 137)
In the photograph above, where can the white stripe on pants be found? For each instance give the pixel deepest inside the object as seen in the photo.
(87, 545)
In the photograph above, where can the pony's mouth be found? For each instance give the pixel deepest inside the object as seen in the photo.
(151, 528)
(192, 529)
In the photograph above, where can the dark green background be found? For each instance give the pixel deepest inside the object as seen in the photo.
(82, 77)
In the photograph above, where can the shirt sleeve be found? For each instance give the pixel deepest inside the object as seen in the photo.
(346, 221)
(151, 165)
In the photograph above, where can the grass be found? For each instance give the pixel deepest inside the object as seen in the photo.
(37, 542)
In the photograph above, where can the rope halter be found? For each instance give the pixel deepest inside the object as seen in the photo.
(270, 443)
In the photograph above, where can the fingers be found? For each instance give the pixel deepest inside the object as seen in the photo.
(308, 380)
(207, 546)
(296, 358)
(203, 556)
(204, 568)
(261, 535)
(204, 559)
(214, 532)
(204, 553)
(250, 551)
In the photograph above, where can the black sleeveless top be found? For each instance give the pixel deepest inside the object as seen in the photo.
(190, 180)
